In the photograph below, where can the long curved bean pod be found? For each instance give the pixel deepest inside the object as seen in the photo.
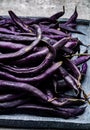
(42, 53)
(33, 70)
(10, 97)
(22, 51)
(71, 81)
(22, 87)
(7, 31)
(81, 59)
(19, 22)
(73, 18)
(32, 80)
(59, 112)
(18, 38)
(13, 104)
(11, 45)
(73, 67)
(58, 15)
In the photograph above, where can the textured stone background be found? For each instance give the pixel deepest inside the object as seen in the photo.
(45, 7)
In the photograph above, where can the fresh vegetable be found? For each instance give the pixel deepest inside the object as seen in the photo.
(40, 61)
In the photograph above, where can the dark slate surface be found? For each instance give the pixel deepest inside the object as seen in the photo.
(22, 120)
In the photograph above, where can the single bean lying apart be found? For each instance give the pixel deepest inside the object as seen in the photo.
(42, 66)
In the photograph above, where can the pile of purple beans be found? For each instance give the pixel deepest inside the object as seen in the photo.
(40, 64)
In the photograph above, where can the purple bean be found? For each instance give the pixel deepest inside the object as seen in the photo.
(73, 68)
(64, 102)
(42, 53)
(66, 50)
(58, 15)
(81, 59)
(70, 80)
(11, 45)
(84, 68)
(15, 38)
(69, 29)
(22, 51)
(13, 104)
(22, 87)
(38, 69)
(71, 44)
(7, 31)
(34, 70)
(73, 18)
(59, 112)
(50, 71)
(72, 112)
(19, 22)
(10, 97)
(72, 25)
(5, 21)
(56, 37)
(53, 31)
(54, 34)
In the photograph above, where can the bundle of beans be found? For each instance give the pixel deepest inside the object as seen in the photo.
(40, 62)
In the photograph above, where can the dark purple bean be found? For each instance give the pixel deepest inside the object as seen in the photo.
(71, 44)
(7, 37)
(65, 102)
(72, 25)
(5, 22)
(34, 70)
(7, 31)
(40, 20)
(51, 41)
(73, 18)
(10, 97)
(84, 68)
(59, 112)
(13, 104)
(61, 86)
(58, 15)
(11, 45)
(19, 22)
(49, 94)
(56, 37)
(48, 73)
(22, 51)
(70, 80)
(72, 112)
(69, 29)
(42, 53)
(54, 31)
(66, 50)
(81, 59)
(22, 87)
(73, 68)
